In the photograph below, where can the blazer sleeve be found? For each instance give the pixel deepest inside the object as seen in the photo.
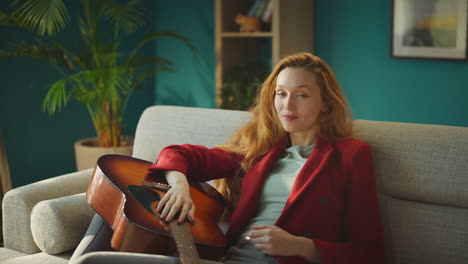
(363, 241)
(197, 162)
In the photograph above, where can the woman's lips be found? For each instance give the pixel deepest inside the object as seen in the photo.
(289, 117)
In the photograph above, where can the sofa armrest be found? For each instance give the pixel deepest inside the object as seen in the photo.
(18, 203)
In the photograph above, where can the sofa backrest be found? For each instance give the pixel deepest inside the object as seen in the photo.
(422, 175)
(421, 171)
(160, 126)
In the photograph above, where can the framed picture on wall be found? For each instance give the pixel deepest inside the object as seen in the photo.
(430, 29)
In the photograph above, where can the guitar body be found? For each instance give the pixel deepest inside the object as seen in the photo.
(135, 228)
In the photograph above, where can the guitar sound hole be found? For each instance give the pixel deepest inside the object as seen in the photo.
(156, 196)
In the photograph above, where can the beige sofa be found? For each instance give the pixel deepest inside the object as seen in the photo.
(422, 174)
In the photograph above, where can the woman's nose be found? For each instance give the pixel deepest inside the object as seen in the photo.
(289, 103)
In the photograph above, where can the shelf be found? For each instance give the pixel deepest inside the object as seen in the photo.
(292, 28)
(246, 34)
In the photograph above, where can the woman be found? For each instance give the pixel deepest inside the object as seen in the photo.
(313, 185)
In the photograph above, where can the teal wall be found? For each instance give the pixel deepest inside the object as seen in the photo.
(193, 83)
(354, 38)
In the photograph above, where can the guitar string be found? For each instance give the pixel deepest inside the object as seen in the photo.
(178, 241)
(184, 242)
(190, 243)
(175, 231)
(189, 252)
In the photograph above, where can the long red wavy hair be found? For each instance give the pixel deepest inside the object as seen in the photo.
(255, 139)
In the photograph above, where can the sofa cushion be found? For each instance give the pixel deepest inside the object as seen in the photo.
(58, 225)
(39, 258)
(424, 233)
(6, 253)
(417, 162)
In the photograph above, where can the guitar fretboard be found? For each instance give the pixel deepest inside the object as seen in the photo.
(188, 253)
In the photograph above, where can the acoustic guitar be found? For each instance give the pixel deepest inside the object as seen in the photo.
(116, 190)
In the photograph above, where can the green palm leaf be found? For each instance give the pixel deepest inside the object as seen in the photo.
(128, 16)
(149, 61)
(155, 35)
(47, 50)
(56, 97)
(45, 17)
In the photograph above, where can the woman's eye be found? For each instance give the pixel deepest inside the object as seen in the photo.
(280, 94)
(302, 95)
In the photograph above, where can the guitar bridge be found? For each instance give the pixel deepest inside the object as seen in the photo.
(159, 186)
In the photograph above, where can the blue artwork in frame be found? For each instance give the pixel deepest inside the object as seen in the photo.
(429, 29)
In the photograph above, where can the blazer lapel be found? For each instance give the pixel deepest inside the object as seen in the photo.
(312, 168)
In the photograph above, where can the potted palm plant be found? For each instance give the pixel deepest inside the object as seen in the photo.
(101, 74)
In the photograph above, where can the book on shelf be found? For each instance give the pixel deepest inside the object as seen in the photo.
(253, 8)
(263, 9)
(267, 14)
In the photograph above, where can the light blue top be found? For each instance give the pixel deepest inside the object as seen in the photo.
(278, 185)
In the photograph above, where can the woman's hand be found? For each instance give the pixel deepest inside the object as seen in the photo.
(177, 199)
(274, 241)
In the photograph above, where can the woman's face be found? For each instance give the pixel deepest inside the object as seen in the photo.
(298, 103)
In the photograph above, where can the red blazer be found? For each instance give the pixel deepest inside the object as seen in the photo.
(333, 200)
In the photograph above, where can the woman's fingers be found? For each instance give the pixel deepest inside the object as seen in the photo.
(184, 212)
(172, 204)
(173, 210)
(162, 203)
(168, 205)
(191, 214)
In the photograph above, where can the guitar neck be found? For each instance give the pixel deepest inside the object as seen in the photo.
(188, 253)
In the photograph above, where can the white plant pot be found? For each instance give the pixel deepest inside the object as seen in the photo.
(87, 152)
